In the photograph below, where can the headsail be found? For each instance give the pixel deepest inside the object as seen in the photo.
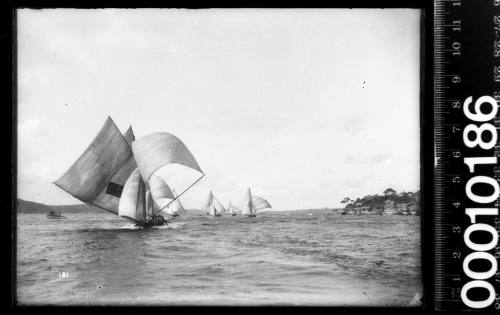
(260, 203)
(177, 206)
(158, 149)
(218, 206)
(129, 135)
(99, 174)
(133, 201)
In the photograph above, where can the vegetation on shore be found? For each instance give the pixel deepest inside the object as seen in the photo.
(390, 202)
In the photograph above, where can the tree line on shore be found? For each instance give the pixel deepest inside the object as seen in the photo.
(390, 202)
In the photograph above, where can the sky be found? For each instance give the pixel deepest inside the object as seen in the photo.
(305, 107)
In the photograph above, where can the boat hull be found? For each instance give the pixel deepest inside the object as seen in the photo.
(154, 221)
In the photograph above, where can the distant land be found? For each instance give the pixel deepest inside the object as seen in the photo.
(25, 206)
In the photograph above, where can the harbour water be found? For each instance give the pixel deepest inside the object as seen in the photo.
(278, 258)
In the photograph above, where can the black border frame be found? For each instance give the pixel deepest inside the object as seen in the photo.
(9, 61)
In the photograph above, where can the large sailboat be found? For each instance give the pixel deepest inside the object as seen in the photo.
(254, 203)
(213, 206)
(115, 172)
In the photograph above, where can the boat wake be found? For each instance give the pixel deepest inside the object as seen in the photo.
(170, 226)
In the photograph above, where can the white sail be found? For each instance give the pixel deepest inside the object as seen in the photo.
(260, 203)
(232, 209)
(218, 206)
(247, 204)
(213, 206)
(132, 203)
(159, 188)
(177, 207)
(208, 205)
(98, 175)
(158, 149)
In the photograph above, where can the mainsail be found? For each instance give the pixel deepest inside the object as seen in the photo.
(247, 204)
(98, 176)
(208, 204)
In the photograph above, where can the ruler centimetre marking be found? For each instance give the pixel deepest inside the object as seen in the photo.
(466, 172)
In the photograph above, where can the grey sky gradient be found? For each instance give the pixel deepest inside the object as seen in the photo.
(303, 106)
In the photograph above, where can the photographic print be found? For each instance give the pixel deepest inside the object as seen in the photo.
(218, 157)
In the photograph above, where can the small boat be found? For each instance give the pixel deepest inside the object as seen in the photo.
(52, 214)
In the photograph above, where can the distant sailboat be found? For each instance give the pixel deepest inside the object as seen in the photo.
(114, 173)
(213, 206)
(175, 208)
(232, 209)
(252, 204)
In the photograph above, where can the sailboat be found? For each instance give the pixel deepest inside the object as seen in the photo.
(114, 173)
(232, 209)
(175, 208)
(213, 206)
(254, 203)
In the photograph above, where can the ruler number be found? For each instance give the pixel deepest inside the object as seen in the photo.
(496, 48)
(496, 73)
(473, 161)
(480, 115)
(456, 179)
(455, 46)
(456, 79)
(456, 229)
(478, 131)
(456, 104)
